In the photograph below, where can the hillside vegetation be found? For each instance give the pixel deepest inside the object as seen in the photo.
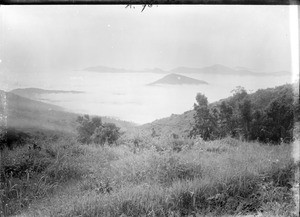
(224, 177)
(260, 101)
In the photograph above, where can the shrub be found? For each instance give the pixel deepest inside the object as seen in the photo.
(93, 130)
(10, 137)
(107, 133)
(87, 127)
(178, 145)
(32, 171)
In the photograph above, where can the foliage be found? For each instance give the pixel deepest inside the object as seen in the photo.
(240, 116)
(93, 130)
(35, 170)
(10, 137)
(87, 127)
(205, 119)
(245, 178)
(227, 120)
(107, 133)
(245, 109)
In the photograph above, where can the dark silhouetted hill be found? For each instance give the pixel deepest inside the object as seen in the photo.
(181, 124)
(31, 93)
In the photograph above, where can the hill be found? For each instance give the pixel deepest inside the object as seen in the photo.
(20, 112)
(216, 69)
(219, 69)
(104, 69)
(32, 92)
(176, 79)
(181, 124)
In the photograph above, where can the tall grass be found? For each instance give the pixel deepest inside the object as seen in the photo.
(34, 171)
(224, 177)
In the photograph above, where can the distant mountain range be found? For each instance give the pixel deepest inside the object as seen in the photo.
(224, 70)
(40, 91)
(176, 79)
(36, 93)
(104, 69)
(216, 69)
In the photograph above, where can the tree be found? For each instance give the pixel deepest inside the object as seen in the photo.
(93, 130)
(267, 115)
(205, 120)
(258, 129)
(239, 93)
(107, 133)
(87, 127)
(245, 111)
(280, 120)
(227, 122)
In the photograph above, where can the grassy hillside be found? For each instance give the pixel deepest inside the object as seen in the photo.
(178, 124)
(220, 178)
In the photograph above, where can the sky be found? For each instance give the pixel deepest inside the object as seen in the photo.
(37, 38)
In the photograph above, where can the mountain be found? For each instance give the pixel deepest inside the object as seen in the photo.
(216, 69)
(23, 113)
(176, 79)
(33, 92)
(155, 70)
(104, 69)
(219, 69)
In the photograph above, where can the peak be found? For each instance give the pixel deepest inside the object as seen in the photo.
(176, 79)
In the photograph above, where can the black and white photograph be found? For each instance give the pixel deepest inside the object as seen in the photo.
(149, 110)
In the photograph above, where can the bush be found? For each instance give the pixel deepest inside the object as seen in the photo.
(108, 133)
(32, 171)
(178, 145)
(10, 138)
(87, 127)
(93, 130)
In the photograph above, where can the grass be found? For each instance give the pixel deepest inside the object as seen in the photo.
(223, 177)
(35, 170)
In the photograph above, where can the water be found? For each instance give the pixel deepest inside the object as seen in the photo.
(126, 95)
